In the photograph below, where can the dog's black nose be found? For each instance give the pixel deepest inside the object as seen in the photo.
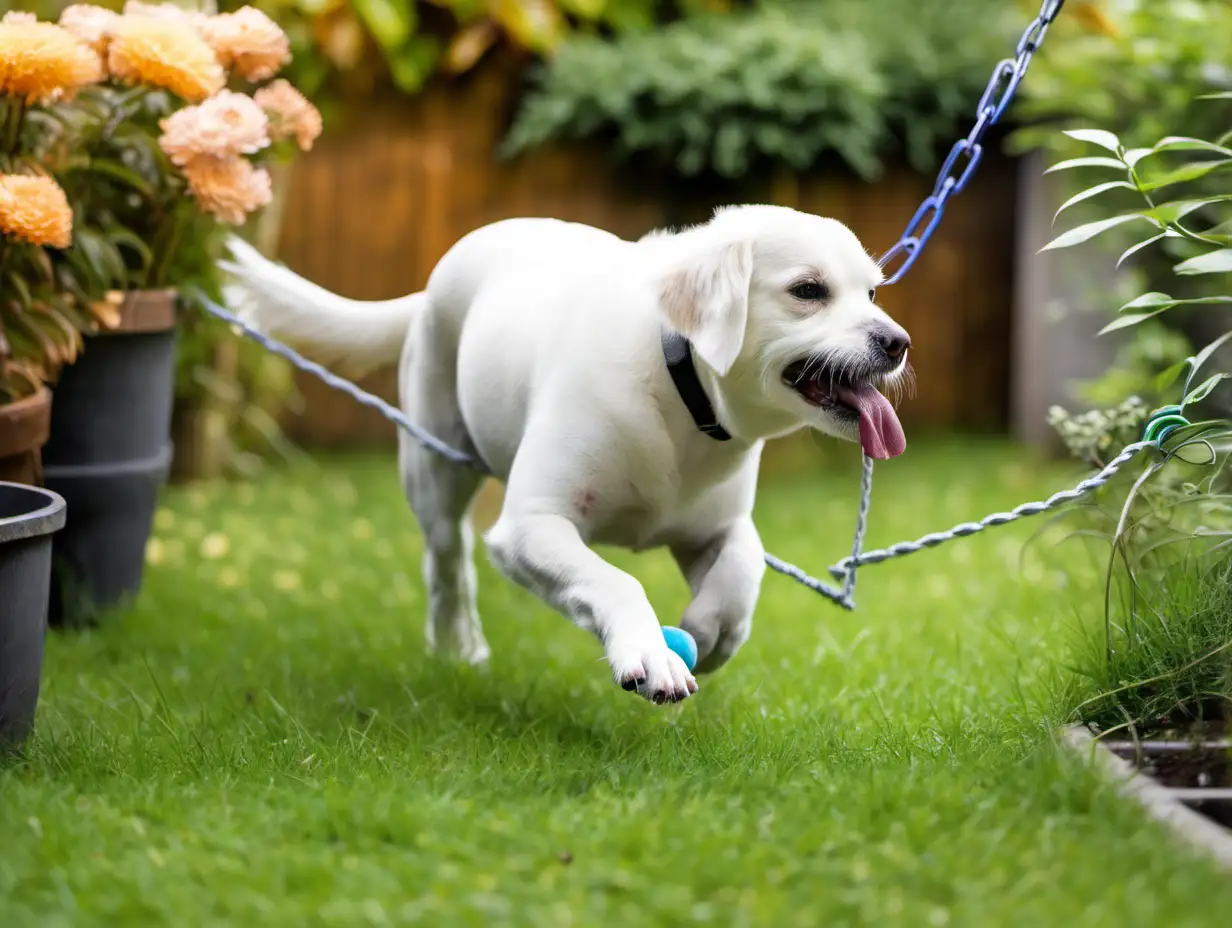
(893, 340)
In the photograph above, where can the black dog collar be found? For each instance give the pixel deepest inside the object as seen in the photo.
(678, 354)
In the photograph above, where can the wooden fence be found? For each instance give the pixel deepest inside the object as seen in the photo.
(371, 211)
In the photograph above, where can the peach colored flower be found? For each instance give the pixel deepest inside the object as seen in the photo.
(228, 188)
(41, 61)
(166, 54)
(226, 124)
(16, 16)
(290, 113)
(35, 210)
(89, 24)
(167, 12)
(248, 42)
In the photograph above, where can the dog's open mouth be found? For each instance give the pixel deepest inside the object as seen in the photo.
(851, 396)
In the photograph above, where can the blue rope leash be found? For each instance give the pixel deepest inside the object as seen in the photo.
(392, 413)
(957, 170)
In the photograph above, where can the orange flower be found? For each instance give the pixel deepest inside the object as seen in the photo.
(248, 42)
(89, 24)
(166, 54)
(41, 61)
(226, 124)
(35, 210)
(291, 114)
(228, 188)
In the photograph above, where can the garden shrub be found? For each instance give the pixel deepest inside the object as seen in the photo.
(781, 83)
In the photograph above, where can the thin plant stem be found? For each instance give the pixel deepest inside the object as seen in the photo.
(172, 243)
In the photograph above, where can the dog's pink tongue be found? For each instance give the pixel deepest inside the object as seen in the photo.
(881, 434)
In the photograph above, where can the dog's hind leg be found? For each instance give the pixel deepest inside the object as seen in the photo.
(441, 493)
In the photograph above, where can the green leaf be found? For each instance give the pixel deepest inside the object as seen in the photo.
(1129, 319)
(123, 174)
(1134, 155)
(1186, 172)
(1224, 95)
(1083, 233)
(1196, 362)
(1154, 304)
(1092, 192)
(1168, 377)
(1098, 137)
(1205, 389)
(1213, 262)
(1161, 301)
(390, 21)
(24, 297)
(1178, 209)
(1184, 143)
(1134, 249)
(1149, 301)
(124, 238)
(1086, 163)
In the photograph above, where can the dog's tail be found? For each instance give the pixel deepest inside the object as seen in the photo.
(354, 336)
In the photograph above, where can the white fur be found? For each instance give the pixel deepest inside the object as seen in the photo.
(536, 346)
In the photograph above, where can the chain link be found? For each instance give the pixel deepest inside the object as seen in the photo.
(961, 163)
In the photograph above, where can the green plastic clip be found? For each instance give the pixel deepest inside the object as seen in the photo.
(1163, 422)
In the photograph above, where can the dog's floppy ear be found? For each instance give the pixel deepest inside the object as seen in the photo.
(705, 298)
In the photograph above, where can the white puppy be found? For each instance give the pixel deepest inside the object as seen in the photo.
(543, 348)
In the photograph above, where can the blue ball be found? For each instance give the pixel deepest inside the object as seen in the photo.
(682, 644)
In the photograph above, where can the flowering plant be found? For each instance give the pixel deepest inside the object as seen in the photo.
(39, 329)
(162, 153)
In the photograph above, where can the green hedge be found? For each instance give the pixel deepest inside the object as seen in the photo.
(783, 83)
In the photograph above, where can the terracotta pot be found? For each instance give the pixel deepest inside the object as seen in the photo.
(24, 428)
(109, 453)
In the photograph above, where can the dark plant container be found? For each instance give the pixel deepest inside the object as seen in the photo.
(29, 516)
(108, 456)
(24, 427)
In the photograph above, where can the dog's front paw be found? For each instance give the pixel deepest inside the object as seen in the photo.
(653, 672)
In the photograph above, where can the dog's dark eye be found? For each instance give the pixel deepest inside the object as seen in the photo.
(872, 296)
(810, 290)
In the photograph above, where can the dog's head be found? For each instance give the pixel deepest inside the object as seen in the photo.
(781, 306)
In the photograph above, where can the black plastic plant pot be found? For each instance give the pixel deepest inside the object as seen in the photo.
(29, 517)
(109, 455)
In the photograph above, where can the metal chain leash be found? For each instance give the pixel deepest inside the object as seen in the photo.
(956, 172)
(960, 165)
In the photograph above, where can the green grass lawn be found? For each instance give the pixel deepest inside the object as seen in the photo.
(262, 741)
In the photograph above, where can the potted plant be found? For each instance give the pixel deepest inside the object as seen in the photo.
(157, 159)
(1161, 665)
(40, 327)
(39, 330)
